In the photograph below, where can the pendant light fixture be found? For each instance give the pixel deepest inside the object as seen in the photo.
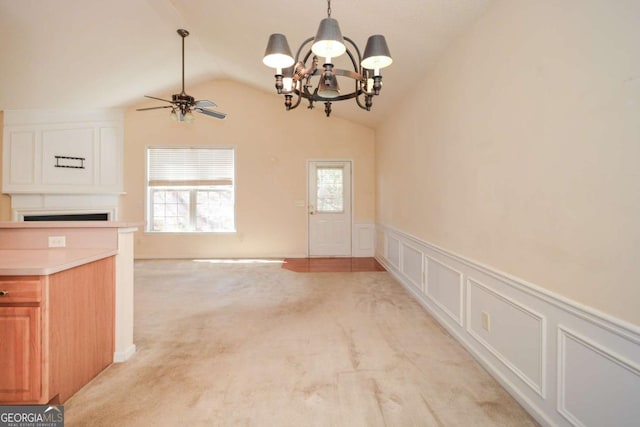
(300, 76)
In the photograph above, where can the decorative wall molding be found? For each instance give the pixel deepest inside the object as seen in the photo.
(412, 265)
(534, 339)
(392, 251)
(363, 240)
(536, 381)
(611, 376)
(455, 304)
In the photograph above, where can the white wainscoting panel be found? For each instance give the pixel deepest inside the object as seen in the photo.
(444, 286)
(380, 248)
(412, 265)
(363, 244)
(393, 251)
(595, 386)
(567, 364)
(515, 335)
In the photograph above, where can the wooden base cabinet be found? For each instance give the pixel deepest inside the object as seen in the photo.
(20, 354)
(56, 332)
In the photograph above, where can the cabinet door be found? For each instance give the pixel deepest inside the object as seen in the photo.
(20, 379)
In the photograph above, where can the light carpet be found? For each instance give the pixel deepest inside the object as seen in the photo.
(252, 344)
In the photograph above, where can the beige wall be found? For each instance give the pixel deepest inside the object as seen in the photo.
(521, 150)
(272, 149)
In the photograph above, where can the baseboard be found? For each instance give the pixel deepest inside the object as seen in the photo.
(566, 364)
(123, 356)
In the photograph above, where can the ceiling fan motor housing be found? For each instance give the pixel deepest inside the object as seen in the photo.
(183, 98)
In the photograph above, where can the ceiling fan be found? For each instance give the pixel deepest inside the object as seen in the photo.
(182, 105)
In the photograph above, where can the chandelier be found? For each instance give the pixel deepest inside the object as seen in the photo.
(296, 77)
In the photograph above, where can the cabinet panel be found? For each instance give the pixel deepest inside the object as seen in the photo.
(82, 322)
(110, 157)
(20, 354)
(76, 143)
(20, 290)
(22, 146)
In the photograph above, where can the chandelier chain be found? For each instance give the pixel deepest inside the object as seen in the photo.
(329, 8)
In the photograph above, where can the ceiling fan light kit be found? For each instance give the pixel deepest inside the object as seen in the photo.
(293, 74)
(183, 105)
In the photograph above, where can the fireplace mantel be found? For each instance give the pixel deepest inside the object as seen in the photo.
(63, 204)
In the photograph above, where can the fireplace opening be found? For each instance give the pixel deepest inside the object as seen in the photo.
(69, 217)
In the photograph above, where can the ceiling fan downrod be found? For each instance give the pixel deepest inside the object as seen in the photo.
(183, 33)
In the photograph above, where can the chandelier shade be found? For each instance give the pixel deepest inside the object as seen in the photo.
(328, 88)
(328, 42)
(376, 53)
(305, 76)
(278, 53)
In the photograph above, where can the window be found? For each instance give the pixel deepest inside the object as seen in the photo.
(190, 189)
(330, 194)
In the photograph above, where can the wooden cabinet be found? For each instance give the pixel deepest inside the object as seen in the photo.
(56, 332)
(20, 354)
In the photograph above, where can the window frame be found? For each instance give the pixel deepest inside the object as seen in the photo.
(148, 208)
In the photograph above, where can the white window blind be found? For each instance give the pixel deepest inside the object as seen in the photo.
(190, 190)
(190, 166)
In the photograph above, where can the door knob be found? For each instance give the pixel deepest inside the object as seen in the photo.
(311, 210)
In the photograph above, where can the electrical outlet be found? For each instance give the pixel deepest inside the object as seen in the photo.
(57, 241)
(486, 324)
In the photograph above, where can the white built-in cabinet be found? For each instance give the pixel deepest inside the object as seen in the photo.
(63, 152)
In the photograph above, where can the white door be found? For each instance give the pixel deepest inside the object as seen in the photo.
(329, 208)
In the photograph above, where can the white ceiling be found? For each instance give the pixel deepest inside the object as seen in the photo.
(68, 54)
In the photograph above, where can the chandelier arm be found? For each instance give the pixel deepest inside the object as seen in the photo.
(359, 74)
(310, 39)
(355, 47)
(297, 92)
(364, 107)
(346, 73)
(309, 95)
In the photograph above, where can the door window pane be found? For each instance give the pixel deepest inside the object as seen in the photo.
(330, 189)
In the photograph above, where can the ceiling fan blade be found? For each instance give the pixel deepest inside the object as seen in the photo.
(153, 108)
(204, 104)
(215, 114)
(159, 99)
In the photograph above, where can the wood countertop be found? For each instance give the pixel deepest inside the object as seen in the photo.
(42, 262)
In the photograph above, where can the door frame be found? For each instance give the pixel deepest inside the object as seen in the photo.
(308, 164)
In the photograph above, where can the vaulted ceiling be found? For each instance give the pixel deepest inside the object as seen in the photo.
(70, 54)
